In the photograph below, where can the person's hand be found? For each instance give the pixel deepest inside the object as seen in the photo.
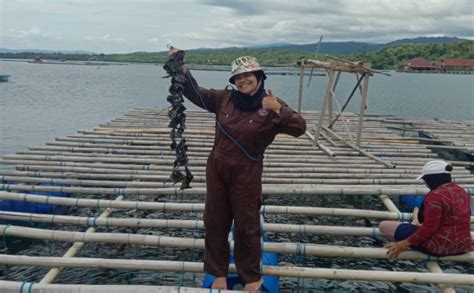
(172, 51)
(415, 217)
(395, 248)
(270, 102)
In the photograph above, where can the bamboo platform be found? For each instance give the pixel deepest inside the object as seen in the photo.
(120, 194)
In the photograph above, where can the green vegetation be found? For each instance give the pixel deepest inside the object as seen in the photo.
(393, 57)
(387, 58)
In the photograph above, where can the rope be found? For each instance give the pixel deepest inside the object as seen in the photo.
(30, 288)
(250, 157)
(21, 286)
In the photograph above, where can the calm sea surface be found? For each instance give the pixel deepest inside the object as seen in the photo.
(42, 101)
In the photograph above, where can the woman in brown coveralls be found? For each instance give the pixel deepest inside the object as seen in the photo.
(247, 121)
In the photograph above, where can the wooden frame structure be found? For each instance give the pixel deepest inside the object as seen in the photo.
(333, 69)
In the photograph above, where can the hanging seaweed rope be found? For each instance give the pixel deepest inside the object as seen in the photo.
(174, 68)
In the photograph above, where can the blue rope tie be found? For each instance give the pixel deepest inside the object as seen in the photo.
(374, 234)
(424, 262)
(30, 287)
(21, 286)
(93, 220)
(298, 249)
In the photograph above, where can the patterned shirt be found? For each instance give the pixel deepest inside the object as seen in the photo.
(446, 229)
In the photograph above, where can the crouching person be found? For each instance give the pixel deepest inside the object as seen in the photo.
(442, 225)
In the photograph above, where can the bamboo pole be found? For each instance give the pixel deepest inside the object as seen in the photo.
(395, 147)
(286, 271)
(363, 106)
(148, 169)
(180, 224)
(165, 182)
(320, 145)
(435, 268)
(27, 287)
(330, 74)
(341, 110)
(296, 155)
(282, 189)
(355, 147)
(199, 207)
(301, 87)
(102, 174)
(279, 156)
(75, 248)
(388, 203)
(196, 243)
(183, 224)
(344, 122)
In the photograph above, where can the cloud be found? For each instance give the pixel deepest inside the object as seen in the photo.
(33, 32)
(154, 41)
(142, 25)
(238, 6)
(304, 21)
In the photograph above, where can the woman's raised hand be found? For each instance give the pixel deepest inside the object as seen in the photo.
(270, 102)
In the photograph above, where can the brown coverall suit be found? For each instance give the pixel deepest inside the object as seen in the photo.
(233, 181)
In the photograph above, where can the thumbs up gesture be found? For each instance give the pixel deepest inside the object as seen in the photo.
(270, 102)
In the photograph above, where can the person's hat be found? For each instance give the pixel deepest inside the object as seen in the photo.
(242, 65)
(435, 167)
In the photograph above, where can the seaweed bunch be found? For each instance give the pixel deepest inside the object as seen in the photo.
(174, 68)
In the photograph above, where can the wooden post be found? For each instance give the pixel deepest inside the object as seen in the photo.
(363, 104)
(300, 92)
(332, 96)
(330, 74)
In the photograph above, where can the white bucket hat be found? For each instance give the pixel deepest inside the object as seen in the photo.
(242, 65)
(435, 167)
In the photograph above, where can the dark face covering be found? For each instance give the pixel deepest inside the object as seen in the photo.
(433, 181)
(250, 103)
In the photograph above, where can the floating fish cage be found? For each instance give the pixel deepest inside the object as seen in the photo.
(111, 220)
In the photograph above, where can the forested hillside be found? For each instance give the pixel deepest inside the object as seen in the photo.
(387, 58)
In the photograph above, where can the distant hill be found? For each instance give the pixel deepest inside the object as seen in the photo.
(334, 48)
(381, 56)
(342, 48)
(426, 40)
(39, 51)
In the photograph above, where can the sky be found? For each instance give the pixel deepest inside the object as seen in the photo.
(123, 26)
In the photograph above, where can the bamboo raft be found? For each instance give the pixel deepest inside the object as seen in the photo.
(117, 179)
